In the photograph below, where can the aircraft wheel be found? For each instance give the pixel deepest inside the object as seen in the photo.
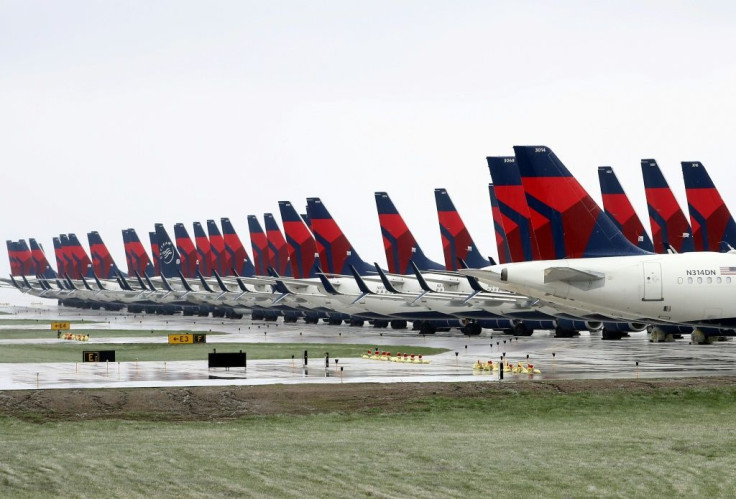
(398, 324)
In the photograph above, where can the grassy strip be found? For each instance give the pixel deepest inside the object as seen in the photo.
(672, 442)
(69, 351)
(22, 334)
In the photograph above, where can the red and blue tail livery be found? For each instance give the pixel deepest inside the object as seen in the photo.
(502, 243)
(515, 217)
(302, 248)
(574, 226)
(136, 256)
(102, 263)
(398, 241)
(43, 267)
(456, 241)
(187, 251)
(619, 208)
(713, 225)
(670, 228)
(336, 253)
(222, 260)
(239, 259)
(279, 249)
(82, 265)
(204, 251)
(155, 254)
(259, 244)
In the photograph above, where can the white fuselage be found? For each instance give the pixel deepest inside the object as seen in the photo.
(697, 288)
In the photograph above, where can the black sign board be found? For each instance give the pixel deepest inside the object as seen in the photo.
(228, 359)
(98, 356)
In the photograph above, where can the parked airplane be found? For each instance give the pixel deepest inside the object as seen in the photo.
(670, 228)
(713, 226)
(619, 208)
(623, 282)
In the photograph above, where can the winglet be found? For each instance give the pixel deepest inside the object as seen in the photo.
(384, 279)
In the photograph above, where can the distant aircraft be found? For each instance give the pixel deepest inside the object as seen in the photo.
(670, 228)
(619, 208)
(713, 225)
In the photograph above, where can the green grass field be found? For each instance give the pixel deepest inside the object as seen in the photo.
(678, 442)
(20, 334)
(71, 351)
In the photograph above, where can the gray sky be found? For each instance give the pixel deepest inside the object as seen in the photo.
(121, 114)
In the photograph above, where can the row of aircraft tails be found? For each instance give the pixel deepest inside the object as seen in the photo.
(564, 263)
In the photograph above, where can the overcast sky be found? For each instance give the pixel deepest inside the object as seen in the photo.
(122, 114)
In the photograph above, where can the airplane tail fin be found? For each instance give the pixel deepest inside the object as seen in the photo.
(335, 251)
(21, 259)
(204, 251)
(302, 248)
(62, 266)
(259, 244)
(187, 251)
(135, 254)
(168, 255)
(43, 267)
(398, 241)
(155, 257)
(669, 225)
(618, 207)
(239, 260)
(713, 225)
(502, 242)
(277, 245)
(456, 240)
(103, 264)
(514, 214)
(574, 226)
(82, 261)
(222, 261)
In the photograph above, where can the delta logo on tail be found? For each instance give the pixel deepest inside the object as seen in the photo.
(617, 206)
(278, 248)
(398, 241)
(502, 243)
(456, 241)
(515, 217)
(302, 248)
(62, 265)
(238, 256)
(223, 262)
(187, 251)
(135, 254)
(668, 222)
(712, 224)
(259, 243)
(574, 225)
(336, 254)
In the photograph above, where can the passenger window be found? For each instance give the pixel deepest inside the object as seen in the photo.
(710, 280)
(689, 280)
(679, 280)
(728, 280)
(700, 280)
(719, 280)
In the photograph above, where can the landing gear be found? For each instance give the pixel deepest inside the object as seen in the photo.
(698, 337)
(380, 324)
(471, 329)
(521, 329)
(398, 324)
(561, 332)
(334, 322)
(607, 334)
(658, 335)
(356, 322)
(427, 328)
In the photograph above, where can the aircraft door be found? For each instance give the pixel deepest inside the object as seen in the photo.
(652, 281)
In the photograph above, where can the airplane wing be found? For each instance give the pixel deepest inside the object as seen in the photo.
(569, 274)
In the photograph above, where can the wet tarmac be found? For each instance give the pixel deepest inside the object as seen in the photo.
(582, 357)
